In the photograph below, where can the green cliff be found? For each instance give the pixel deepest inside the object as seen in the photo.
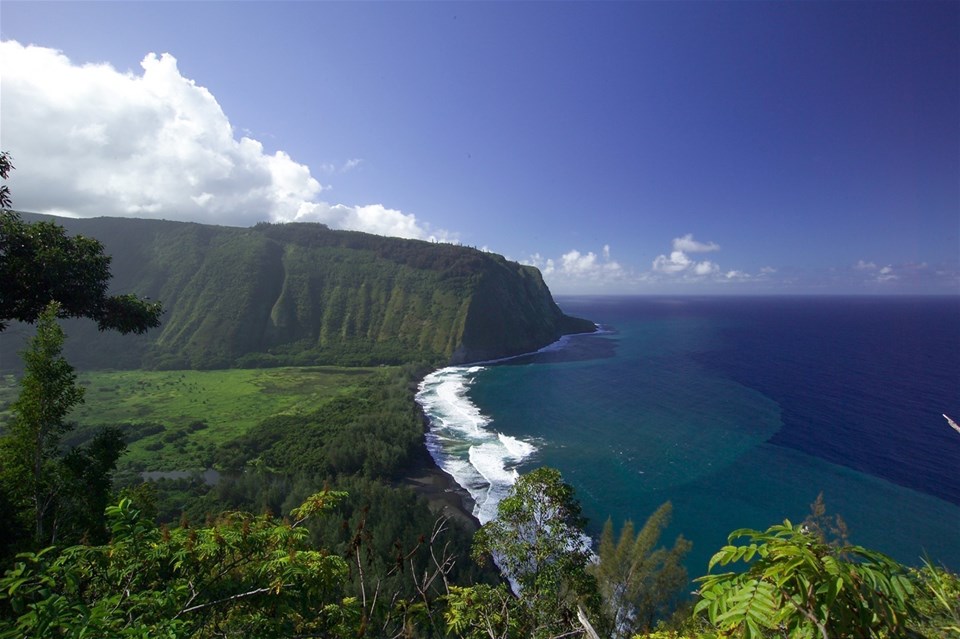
(304, 294)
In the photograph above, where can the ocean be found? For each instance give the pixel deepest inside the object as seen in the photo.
(739, 411)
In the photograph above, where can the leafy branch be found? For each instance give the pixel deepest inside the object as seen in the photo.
(795, 583)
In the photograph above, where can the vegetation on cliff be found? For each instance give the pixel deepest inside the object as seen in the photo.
(302, 294)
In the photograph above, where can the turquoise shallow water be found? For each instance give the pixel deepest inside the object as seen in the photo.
(646, 412)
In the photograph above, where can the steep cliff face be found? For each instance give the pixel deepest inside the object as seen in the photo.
(512, 312)
(303, 294)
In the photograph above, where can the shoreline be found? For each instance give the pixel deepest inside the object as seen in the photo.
(443, 494)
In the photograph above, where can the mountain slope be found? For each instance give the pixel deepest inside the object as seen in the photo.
(303, 294)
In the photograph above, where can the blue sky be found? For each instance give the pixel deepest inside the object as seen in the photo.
(621, 147)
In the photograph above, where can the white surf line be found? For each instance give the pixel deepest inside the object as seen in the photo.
(478, 458)
(485, 464)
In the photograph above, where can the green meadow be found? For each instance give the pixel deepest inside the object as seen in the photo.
(174, 420)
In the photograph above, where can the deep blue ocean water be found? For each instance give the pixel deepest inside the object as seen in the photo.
(737, 410)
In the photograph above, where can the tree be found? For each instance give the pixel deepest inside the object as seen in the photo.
(86, 474)
(31, 449)
(482, 611)
(44, 275)
(800, 586)
(56, 496)
(6, 165)
(40, 264)
(639, 582)
(537, 541)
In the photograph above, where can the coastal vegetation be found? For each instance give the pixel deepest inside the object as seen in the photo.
(313, 529)
(537, 542)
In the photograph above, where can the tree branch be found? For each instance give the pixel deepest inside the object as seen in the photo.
(209, 604)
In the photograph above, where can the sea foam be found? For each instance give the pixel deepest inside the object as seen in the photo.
(460, 440)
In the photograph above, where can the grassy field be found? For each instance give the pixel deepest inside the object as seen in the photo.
(175, 419)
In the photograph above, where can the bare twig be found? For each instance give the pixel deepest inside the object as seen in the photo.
(363, 590)
(952, 423)
(587, 627)
(242, 595)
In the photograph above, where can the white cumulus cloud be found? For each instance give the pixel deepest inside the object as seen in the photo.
(706, 268)
(687, 244)
(886, 274)
(90, 140)
(371, 218)
(576, 269)
(577, 264)
(678, 263)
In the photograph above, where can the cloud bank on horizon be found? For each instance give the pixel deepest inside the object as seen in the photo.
(580, 272)
(89, 140)
(577, 272)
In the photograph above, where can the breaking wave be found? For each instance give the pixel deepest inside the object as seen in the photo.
(461, 441)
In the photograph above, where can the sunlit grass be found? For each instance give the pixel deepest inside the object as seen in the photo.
(227, 402)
